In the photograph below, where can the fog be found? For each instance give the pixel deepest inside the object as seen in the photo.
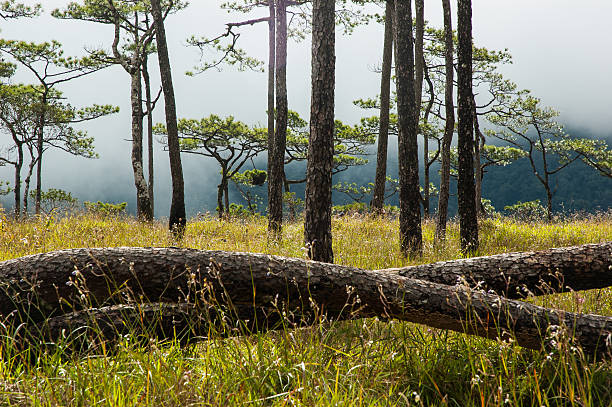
(560, 49)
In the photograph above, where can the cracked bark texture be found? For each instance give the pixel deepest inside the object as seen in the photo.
(276, 155)
(518, 275)
(318, 194)
(263, 290)
(177, 219)
(449, 127)
(144, 208)
(411, 239)
(380, 180)
(84, 331)
(466, 192)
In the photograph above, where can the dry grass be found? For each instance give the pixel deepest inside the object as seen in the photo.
(364, 362)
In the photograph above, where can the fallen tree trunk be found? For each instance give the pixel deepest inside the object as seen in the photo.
(82, 329)
(517, 275)
(262, 291)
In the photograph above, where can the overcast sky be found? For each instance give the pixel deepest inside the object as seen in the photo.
(561, 49)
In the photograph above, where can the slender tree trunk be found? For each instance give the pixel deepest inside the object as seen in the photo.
(143, 203)
(477, 171)
(276, 170)
(419, 60)
(26, 189)
(426, 192)
(411, 239)
(468, 221)
(549, 197)
(149, 104)
(380, 181)
(449, 128)
(17, 189)
(39, 151)
(220, 191)
(545, 179)
(318, 195)
(427, 162)
(226, 194)
(246, 285)
(273, 209)
(419, 65)
(178, 218)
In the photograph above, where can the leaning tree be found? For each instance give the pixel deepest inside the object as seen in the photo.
(50, 68)
(20, 115)
(133, 36)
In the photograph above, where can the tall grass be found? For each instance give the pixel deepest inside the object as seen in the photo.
(352, 363)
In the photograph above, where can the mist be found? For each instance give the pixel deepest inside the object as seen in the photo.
(559, 49)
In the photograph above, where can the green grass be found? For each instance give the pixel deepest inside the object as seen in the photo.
(354, 363)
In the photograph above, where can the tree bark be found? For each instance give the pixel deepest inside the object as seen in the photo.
(272, 193)
(449, 128)
(226, 195)
(318, 194)
(178, 219)
(149, 104)
(419, 66)
(143, 202)
(518, 275)
(411, 239)
(419, 61)
(276, 169)
(40, 150)
(380, 180)
(220, 205)
(478, 143)
(17, 188)
(262, 290)
(84, 331)
(26, 183)
(468, 221)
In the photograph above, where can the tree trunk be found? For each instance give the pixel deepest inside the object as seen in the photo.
(17, 189)
(149, 104)
(468, 222)
(273, 207)
(225, 183)
(419, 65)
(411, 239)
(380, 181)
(84, 331)
(549, 197)
(178, 218)
(39, 151)
(276, 169)
(427, 161)
(220, 191)
(449, 128)
(26, 183)
(419, 61)
(143, 203)
(517, 275)
(478, 136)
(246, 287)
(318, 194)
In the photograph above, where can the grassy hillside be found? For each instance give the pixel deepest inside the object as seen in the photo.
(363, 362)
